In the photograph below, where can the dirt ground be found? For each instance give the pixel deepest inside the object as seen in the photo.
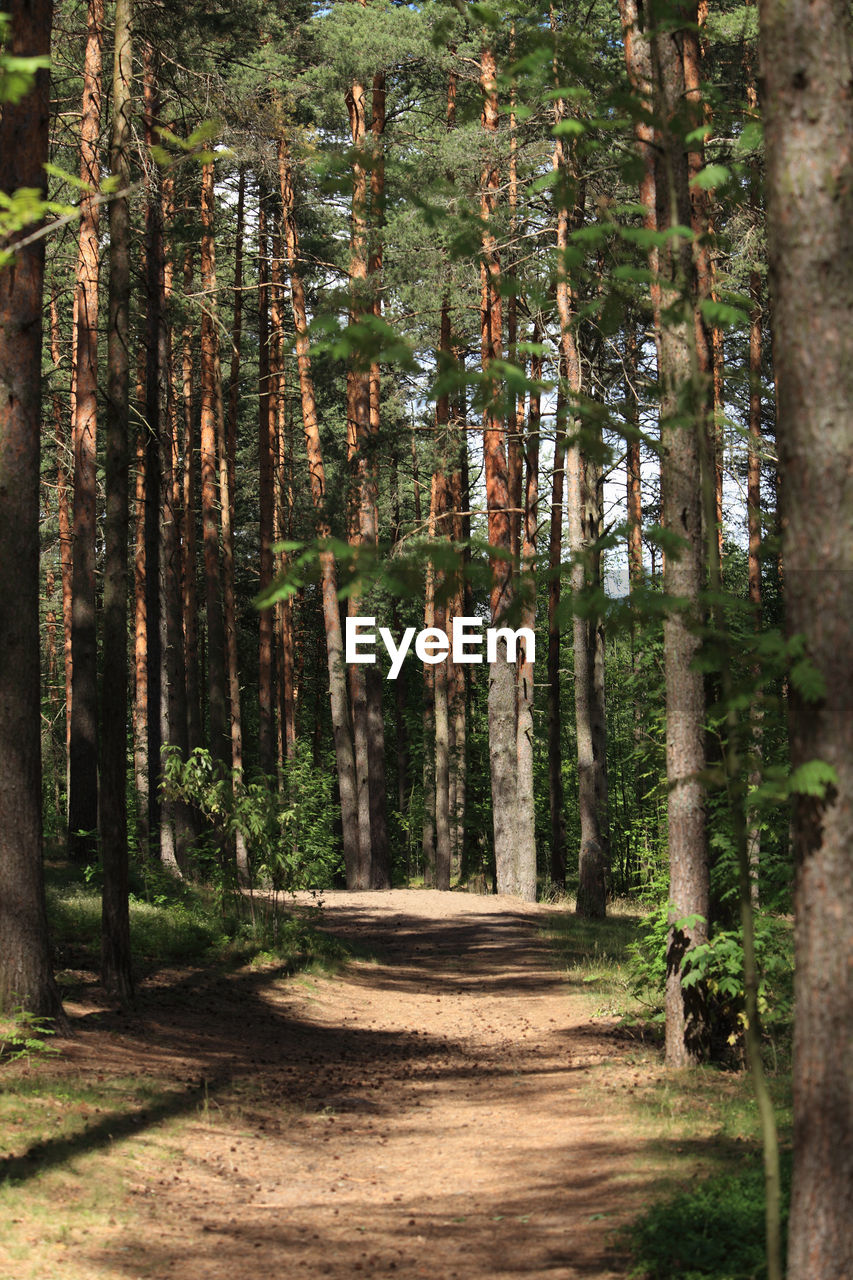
(450, 1108)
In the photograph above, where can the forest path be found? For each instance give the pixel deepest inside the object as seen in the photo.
(446, 1109)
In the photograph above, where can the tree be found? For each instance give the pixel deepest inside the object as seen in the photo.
(83, 752)
(682, 424)
(806, 53)
(26, 977)
(115, 927)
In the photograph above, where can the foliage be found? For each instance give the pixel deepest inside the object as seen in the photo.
(24, 1035)
(289, 837)
(718, 965)
(713, 1231)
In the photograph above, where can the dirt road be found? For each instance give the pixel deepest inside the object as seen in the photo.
(443, 1110)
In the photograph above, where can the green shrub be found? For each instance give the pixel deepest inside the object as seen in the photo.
(714, 1231)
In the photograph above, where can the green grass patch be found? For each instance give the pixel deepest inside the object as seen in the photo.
(712, 1231)
(173, 922)
(595, 953)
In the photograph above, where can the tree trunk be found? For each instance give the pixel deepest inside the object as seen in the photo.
(525, 806)
(155, 417)
(188, 531)
(83, 773)
(219, 737)
(175, 831)
(282, 447)
(512, 877)
(266, 504)
(556, 798)
(806, 57)
(26, 976)
(331, 617)
(683, 421)
(116, 973)
(65, 535)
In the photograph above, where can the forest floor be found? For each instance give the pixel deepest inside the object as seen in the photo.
(451, 1106)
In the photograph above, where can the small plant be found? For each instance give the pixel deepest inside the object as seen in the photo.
(25, 1036)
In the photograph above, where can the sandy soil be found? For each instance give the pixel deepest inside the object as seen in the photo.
(444, 1110)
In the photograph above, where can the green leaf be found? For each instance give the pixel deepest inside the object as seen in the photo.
(808, 681)
(713, 175)
(570, 128)
(813, 779)
(720, 313)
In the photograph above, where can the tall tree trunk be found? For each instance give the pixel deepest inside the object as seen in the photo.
(155, 417)
(116, 974)
(429, 837)
(683, 422)
(380, 871)
(512, 877)
(266, 502)
(282, 447)
(806, 60)
(26, 976)
(83, 773)
(140, 650)
(175, 821)
(229, 610)
(65, 535)
(188, 531)
(556, 799)
(331, 617)
(525, 736)
(219, 736)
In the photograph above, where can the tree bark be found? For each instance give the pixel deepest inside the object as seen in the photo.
(683, 422)
(556, 798)
(188, 530)
(525, 735)
(344, 756)
(26, 977)
(806, 59)
(65, 534)
(156, 392)
(512, 876)
(266, 503)
(116, 972)
(83, 772)
(216, 670)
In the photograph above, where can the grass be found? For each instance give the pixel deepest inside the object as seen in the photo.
(595, 953)
(706, 1221)
(176, 923)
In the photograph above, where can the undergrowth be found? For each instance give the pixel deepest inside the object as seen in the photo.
(713, 1230)
(173, 922)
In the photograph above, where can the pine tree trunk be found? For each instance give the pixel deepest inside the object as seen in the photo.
(65, 535)
(26, 976)
(216, 671)
(282, 448)
(116, 972)
(525, 735)
(686, 1019)
(83, 772)
(556, 798)
(266, 504)
(140, 651)
(344, 755)
(155, 417)
(512, 877)
(188, 531)
(175, 821)
(806, 60)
